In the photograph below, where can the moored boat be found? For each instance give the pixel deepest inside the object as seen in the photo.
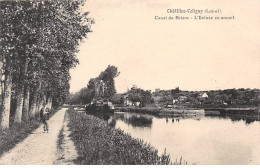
(100, 106)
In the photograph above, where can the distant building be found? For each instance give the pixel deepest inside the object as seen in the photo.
(182, 98)
(157, 90)
(126, 99)
(128, 102)
(137, 104)
(203, 95)
(179, 99)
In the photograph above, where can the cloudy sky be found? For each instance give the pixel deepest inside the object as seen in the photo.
(191, 54)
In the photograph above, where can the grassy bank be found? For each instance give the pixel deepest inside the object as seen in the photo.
(98, 143)
(17, 133)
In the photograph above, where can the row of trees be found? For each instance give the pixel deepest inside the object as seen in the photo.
(96, 89)
(39, 40)
(101, 87)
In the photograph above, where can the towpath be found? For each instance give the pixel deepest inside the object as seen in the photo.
(38, 148)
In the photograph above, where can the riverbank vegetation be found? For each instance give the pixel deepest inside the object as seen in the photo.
(98, 143)
(39, 40)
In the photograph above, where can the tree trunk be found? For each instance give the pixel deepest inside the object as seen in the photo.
(39, 98)
(19, 106)
(32, 110)
(20, 93)
(1, 85)
(49, 103)
(42, 102)
(26, 103)
(38, 104)
(6, 101)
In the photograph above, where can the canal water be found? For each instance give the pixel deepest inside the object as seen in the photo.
(198, 140)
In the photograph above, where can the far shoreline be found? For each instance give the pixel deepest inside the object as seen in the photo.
(191, 111)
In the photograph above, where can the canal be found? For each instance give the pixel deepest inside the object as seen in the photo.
(198, 140)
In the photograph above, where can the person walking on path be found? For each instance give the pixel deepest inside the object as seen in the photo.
(44, 116)
(38, 148)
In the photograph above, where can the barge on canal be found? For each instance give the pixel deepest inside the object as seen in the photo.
(100, 106)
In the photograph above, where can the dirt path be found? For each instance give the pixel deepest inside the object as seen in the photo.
(39, 148)
(66, 151)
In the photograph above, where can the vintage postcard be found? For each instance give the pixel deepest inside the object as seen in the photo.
(129, 82)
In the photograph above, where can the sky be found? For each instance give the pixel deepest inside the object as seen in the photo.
(190, 54)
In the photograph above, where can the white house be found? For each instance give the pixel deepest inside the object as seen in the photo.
(203, 95)
(128, 102)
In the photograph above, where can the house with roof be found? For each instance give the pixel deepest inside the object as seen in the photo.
(203, 95)
(179, 99)
(128, 102)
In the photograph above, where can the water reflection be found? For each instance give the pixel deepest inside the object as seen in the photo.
(247, 119)
(135, 120)
(145, 120)
(198, 139)
(108, 117)
(178, 119)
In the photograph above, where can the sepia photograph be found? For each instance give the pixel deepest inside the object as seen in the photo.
(129, 82)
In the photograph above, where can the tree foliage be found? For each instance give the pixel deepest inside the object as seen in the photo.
(107, 77)
(118, 99)
(39, 40)
(99, 88)
(140, 95)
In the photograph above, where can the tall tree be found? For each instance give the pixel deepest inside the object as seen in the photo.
(107, 77)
